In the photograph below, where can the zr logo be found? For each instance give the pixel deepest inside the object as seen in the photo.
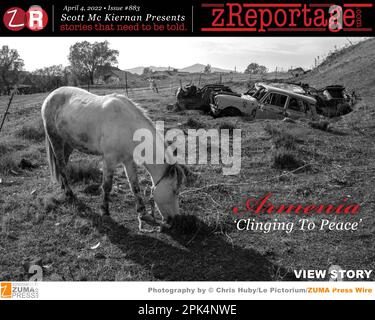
(16, 19)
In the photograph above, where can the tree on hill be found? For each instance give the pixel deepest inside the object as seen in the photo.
(85, 58)
(207, 69)
(255, 68)
(147, 71)
(10, 66)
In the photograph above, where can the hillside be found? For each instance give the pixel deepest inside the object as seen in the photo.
(198, 67)
(195, 68)
(353, 67)
(139, 70)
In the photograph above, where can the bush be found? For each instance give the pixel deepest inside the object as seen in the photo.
(282, 139)
(286, 149)
(286, 140)
(194, 124)
(284, 159)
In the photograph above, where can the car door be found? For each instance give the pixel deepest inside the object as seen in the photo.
(273, 106)
(296, 108)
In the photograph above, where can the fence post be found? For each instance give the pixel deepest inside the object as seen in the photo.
(7, 109)
(126, 84)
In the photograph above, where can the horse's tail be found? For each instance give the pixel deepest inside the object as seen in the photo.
(51, 158)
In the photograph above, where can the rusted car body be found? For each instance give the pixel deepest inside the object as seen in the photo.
(265, 102)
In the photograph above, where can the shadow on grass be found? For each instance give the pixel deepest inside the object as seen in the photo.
(207, 258)
(338, 132)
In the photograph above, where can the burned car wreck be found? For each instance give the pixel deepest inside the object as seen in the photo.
(268, 101)
(332, 101)
(192, 97)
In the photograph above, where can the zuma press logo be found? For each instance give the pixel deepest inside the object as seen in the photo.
(19, 290)
(35, 19)
(6, 290)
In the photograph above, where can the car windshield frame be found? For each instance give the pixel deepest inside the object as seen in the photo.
(260, 93)
(279, 93)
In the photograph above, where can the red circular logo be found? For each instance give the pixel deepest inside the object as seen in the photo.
(36, 18)
(14, 19)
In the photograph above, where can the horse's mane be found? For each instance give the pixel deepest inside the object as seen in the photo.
(172, 169)
(138, 107)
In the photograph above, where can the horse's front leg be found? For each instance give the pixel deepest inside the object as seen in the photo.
(108, 171)
(131, 172)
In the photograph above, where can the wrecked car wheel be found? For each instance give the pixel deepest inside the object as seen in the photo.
(230, 112)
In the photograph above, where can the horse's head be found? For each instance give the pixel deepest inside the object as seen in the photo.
(166, 192)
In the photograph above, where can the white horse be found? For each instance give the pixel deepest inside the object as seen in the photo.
(104, 125)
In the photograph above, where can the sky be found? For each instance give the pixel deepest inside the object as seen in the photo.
(222, 52)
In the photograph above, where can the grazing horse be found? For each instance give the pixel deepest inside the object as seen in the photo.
(104, 125)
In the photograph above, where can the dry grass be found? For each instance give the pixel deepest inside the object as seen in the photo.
(8, 163)
(5, 147)
(33, 131)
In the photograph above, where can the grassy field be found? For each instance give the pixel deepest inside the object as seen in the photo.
(70, 242)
